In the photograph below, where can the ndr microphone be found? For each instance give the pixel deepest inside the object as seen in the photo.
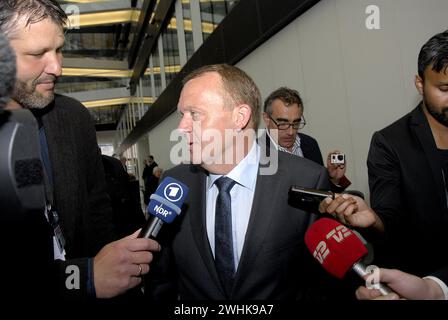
(165, 205)
(338, 249)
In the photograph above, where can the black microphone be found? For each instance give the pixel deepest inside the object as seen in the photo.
(308, 199)
(21, 170)
(7, 71)
(164, 207)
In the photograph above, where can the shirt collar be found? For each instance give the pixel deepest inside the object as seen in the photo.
(245, 173)
(295, 147)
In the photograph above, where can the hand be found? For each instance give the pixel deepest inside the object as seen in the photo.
(352, 211)
(404, 285)
(335, 171)
(119, 265)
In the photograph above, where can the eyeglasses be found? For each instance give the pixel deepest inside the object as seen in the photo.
(286, 125)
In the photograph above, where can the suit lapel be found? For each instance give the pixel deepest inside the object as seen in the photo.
(421, 128)
(260, 219)
(199, 227)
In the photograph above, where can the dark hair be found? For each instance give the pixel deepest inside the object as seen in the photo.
(32, 10)
(434, 53)
(237, 85)
(286, 95)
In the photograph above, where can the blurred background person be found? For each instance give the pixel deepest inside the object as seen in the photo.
(124, 196)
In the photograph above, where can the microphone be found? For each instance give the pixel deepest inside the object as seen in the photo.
(338, 249)
(7, 71)
(21, 170)
(165, 204)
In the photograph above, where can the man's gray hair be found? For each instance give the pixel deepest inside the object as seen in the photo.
(11, 11)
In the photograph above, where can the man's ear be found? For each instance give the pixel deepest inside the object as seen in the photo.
(242, 115)
(419, 84)
(266, 119)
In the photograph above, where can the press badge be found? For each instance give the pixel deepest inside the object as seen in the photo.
(58, 237)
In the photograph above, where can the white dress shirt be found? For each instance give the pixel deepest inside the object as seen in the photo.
(242, 194)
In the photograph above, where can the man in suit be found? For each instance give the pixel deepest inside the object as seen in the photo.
(124, 196)
(283, 117)
(150, 181)
(78, 210)
(259, 251)
(408, 175)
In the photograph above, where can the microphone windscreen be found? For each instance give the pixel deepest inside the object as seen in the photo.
(28, 172)
(334, 246)
(7, 70)
(166, 202)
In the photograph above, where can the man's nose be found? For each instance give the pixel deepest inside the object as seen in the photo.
(54, 64)
(184, 124)
(291, 131)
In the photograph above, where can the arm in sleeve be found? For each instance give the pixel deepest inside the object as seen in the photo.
(384, 182)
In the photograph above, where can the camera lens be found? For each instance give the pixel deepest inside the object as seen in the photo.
(340, 157)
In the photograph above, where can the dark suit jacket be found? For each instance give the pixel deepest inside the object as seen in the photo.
(125, 197)
(274, 264)
(408, 193)
(310, 148)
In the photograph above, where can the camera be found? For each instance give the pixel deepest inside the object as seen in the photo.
(337, 158)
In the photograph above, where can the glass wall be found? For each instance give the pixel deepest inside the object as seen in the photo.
(187, 28)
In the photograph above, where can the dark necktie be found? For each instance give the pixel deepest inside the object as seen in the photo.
(224, 260)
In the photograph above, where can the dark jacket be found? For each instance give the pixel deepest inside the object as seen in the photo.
(408, 193)
(79, 193)
(78, 176)
(125, 198)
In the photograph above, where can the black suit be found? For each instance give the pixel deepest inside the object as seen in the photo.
(408, 193)
(125, 197)
(310, 148)
(274, 264)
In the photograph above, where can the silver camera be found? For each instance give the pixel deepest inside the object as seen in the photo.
(337, 158)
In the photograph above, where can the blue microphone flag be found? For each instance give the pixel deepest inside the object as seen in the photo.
(166, 202)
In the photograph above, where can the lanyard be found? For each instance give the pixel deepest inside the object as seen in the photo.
(50, 212)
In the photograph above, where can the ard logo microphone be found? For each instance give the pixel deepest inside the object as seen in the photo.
(164, 206)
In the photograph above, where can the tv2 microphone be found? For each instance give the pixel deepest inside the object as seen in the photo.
(338, 249)
(164, 206)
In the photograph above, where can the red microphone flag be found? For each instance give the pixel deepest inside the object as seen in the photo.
(335, 246)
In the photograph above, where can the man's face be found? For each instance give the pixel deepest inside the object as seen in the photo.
(281, 113)
(434, 89)
(39, 62)
(205, 117)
